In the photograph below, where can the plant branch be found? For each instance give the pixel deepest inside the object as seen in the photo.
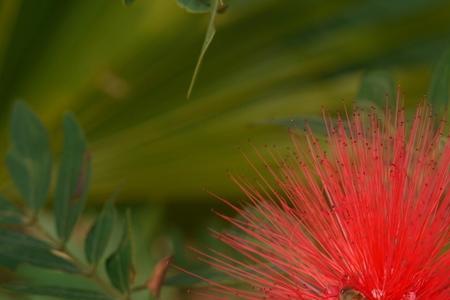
(86, 270)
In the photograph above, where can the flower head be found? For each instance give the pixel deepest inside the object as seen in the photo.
(365, 216)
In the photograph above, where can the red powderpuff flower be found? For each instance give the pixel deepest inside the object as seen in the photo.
(366, 219)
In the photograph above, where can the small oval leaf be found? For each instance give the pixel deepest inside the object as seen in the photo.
(119, 264)
(29, 160)
(98, 236)
(73, 179)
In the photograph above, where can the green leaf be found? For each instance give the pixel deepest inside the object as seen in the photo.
(98, 236)
(73, 179)
(9, 214)
(375, 87)
(210, 33)
(440, 84)
(57, 292)
(29, 160)
(196, 6)
(20, 248)
(119, 264)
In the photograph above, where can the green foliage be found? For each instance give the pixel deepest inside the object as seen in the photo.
(99, 234)
(9, 214)
(22, 248)
(127, 84)
(29, 160)
(270, 59)
(73, 180)
(25, 241)
(119, 264)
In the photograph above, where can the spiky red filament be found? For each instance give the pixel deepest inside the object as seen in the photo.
(370, 215)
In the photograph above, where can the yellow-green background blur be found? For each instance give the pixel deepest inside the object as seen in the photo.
(125, 71)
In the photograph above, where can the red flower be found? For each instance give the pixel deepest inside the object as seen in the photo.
(366, 219)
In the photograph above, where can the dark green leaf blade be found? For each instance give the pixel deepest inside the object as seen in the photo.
(9, 214)
(440, 84)
(73, 178)
(29, 160)
(375, 87)
(98, 236)
(196, 6)
(57, 292)
(119, 264)
(21, 248)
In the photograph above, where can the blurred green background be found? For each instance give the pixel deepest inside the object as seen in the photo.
(125, 71)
